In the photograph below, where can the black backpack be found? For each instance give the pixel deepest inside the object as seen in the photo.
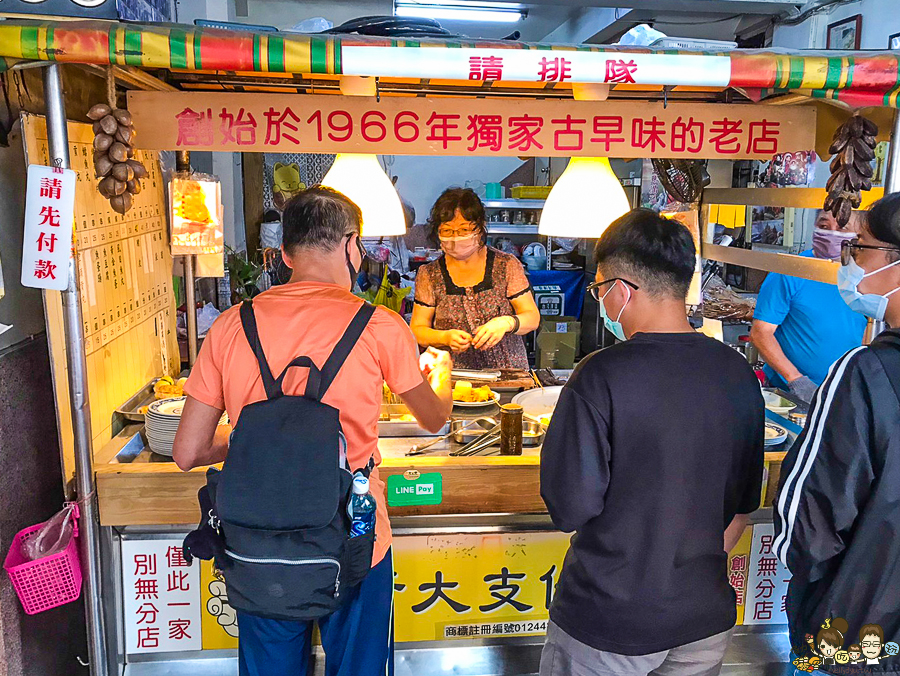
(275, 517)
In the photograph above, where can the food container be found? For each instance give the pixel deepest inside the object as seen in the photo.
(474, 429)
(532, 432)
(511, 429)
(530, 192)
(798, 418)
(778, 404)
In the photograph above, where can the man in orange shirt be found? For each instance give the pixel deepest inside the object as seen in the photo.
(307, 316)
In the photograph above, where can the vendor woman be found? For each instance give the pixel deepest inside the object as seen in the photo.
(474, 300)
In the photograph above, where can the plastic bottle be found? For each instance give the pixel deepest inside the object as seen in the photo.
(361, 508)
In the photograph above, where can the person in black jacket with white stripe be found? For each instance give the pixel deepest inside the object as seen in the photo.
(837, 513)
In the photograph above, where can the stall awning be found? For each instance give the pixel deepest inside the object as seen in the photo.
(258, 58)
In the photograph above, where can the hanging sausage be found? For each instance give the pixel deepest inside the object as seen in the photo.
(114, 164)
(853, 148)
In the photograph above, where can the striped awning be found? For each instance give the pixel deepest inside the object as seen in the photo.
(858, 79)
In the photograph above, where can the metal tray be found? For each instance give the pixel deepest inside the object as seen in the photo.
(388, 427)
(144, 397)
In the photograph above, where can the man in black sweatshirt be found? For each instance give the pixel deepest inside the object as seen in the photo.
(837, 512)
(654, 457)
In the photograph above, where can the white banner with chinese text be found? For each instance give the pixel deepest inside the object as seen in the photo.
(49, 217)
(162, 597)
(534, 65)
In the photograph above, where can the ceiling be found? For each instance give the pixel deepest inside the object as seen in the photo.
(573, 21)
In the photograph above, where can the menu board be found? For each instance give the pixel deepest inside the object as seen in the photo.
(125, 280)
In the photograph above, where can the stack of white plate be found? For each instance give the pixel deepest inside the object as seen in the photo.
(161, 424)
(775, 434)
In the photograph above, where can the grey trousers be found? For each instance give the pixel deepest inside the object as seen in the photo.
(565, 656)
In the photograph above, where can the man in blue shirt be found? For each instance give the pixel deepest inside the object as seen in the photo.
(801, 327)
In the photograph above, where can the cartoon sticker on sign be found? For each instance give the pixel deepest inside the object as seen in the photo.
(826, 648)
(218, 618)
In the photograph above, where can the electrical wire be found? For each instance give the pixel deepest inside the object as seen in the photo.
(812, 11)
(664, 22)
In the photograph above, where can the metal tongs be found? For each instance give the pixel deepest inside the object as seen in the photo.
(419, 449)
(488, 439)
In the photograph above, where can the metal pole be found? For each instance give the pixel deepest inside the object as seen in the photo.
(891, 185)
(183, 164)
(57, 134)
(892, 173)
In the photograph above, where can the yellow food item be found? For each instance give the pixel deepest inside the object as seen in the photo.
(191, 203)
(545, 419)
(406, 417)
(143, 410)
(464, 392)
(167, 388)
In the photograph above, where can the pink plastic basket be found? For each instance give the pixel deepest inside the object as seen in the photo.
(46, 583)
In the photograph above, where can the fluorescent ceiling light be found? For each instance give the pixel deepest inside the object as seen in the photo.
(457, 11)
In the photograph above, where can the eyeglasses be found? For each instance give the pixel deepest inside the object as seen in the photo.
(595, 287)
(849, 246)
(447, 232)
(359, 245)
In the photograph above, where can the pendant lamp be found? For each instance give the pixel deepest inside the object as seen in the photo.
(584, 201)
(361, 178)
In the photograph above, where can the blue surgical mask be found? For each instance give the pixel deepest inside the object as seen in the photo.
(868, 304)
(614, 326)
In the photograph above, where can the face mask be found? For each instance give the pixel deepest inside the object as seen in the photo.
(827, 243)
(354, 273)
(614, 327)
(868, 304)
(461, 248)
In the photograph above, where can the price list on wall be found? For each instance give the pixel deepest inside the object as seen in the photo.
(125, 280)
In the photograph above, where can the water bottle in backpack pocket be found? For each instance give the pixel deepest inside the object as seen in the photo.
(361, 507)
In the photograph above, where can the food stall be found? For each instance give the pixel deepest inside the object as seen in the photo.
(475, 554)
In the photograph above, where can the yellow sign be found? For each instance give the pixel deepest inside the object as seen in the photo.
(739, 570)
(464, 586)
(217, 619)
(461, 586)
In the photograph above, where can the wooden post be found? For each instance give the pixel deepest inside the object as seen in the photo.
(253, 168)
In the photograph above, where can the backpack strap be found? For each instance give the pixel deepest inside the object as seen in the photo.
(342, 350)
(367, 469)
(248, 320)
(889, 356)
(272, 385)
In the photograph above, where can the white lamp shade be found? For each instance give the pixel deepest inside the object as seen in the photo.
(584, 201)
(362, 179)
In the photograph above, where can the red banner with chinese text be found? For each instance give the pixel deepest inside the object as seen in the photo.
(449, 126)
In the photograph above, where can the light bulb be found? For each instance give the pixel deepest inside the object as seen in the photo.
(362, 179)
(584, 201)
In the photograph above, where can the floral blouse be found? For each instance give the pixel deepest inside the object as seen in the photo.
(469, 308)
